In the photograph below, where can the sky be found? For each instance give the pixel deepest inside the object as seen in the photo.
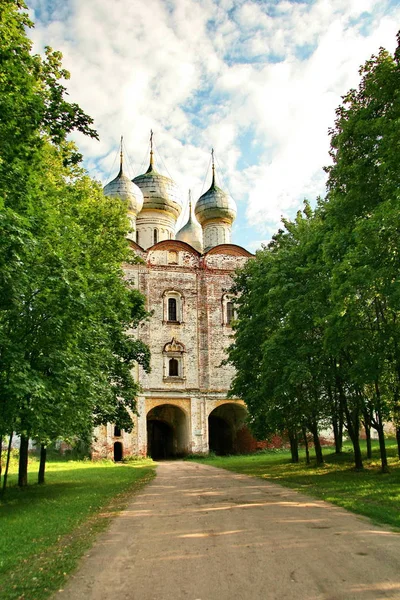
(257, 80)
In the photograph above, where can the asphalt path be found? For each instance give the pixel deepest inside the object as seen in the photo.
(200, 533)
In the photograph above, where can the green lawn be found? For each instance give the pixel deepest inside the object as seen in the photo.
(45, 529)
(368, 493)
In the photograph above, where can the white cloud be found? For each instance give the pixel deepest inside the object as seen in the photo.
(201, 73)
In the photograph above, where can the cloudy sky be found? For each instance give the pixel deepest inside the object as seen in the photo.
(258, 80)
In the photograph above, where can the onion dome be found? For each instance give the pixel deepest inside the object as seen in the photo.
(123, 188)
(192, 232)
(159, 191)
(215, 204)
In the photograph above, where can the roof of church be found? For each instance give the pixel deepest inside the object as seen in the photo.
(215, 204)
(191, 233)
(123, 188)
(159, 192)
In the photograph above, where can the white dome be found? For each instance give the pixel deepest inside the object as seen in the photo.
(123, 188)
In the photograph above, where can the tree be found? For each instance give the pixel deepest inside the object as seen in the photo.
(362, 237)
(67, 317)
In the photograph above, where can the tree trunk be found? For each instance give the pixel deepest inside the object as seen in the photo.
(42, 465)
(23, 462)
(317, 445)
(353, 426)
(353, 429)
(294, 447)
(337, 424)
(304, 432)
(382, 448)
(398, 440)
(7, 464)
(367, 429)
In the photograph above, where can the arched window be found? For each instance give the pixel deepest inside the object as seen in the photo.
(173, 361)
(229, 312)
(155, 236)
(228, 309)
(173, 367)
(172, 312)
(117, 431)
(173, 306)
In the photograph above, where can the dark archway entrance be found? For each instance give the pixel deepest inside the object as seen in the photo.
(224, 424)
(118, 452)
(167, 432)
(159, 439)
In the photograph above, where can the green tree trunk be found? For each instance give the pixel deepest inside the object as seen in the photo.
(367, 429)
(42, 465)
(7, 464)
(304, 432)
(317, 444)
(337, 424)
(23, 462)
(294, 446)
(382, 448)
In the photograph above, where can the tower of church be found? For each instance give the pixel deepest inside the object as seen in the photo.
(162, 205)
(192, 232)
(123, 188)
(215, 211)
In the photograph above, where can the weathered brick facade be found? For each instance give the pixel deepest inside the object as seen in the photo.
(183, 407)
(175, 409)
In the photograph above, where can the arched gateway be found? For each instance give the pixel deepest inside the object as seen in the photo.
(225, 424)
(167, 432)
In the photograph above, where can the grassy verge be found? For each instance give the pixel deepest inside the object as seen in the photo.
(46, 529)
(368, 493)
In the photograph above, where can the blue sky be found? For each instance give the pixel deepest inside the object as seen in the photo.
(258, 80)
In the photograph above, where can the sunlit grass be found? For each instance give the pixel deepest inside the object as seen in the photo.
(368, 493)
(45, 529)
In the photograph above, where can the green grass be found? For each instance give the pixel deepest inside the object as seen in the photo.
(46, 529)
(369, 493)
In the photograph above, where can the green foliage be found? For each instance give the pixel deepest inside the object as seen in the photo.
(317, 339)
(67, 317)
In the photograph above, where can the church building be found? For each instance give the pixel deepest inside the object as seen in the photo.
(186, 277)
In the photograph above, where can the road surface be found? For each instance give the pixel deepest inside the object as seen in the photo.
(200, 533)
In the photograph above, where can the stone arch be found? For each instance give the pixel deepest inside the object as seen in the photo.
(167, 431)
(225, 422)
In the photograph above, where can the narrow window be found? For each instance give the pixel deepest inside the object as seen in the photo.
(137, 238)
(155, 236)
(229, 312)
(173, 367)
(172, 309)
(117, 431)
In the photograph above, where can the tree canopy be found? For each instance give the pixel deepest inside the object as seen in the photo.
(67, 317)
(317, 335)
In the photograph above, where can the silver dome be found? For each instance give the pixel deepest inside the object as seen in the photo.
(191, 233)
(123, 188)
(215, 204)
(159, 192)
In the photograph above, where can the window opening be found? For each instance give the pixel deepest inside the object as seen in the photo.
(173, 367)
(117, 431)
(172, 309)
(155, 236)
(229, 312)
(137, 238)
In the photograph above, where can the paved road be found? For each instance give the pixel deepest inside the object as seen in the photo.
(199, 533)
